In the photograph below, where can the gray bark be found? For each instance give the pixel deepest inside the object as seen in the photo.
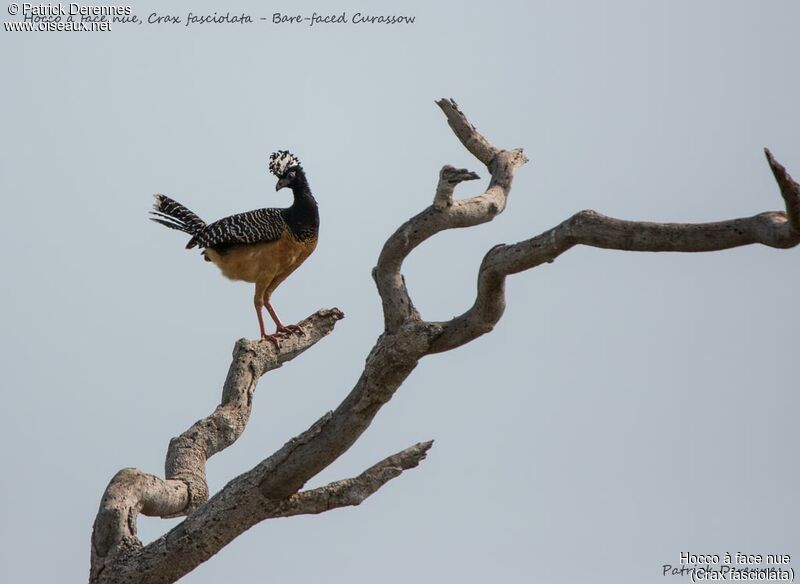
(273, 487)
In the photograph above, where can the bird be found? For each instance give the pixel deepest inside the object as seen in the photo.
(263, 246)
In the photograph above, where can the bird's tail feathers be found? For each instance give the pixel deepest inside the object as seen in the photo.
(172, 214)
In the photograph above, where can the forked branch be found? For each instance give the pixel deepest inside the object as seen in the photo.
(772, 228)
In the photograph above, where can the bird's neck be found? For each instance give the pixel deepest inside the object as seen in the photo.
(300, 187)
(304, 207)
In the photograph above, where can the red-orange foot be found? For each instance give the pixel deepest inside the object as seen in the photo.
(289, 329)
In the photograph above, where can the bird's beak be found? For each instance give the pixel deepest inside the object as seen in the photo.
(282, 183)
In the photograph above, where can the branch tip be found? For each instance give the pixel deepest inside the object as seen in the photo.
(457, 175)
(415, 454)
(519, 157)
(472, 140)
(790, 190)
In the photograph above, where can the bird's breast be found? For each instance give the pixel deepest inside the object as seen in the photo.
(262, 262)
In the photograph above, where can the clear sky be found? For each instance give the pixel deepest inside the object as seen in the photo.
(628, 407)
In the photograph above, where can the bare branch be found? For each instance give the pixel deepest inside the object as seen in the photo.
(390, 362)
(449, 177)
(188, 452)
(240, 505)
(444, 213)
(590, 228)
(472, 140)
(790, 190)
(354, 491)
(131, 491)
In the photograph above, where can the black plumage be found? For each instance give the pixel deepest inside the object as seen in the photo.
(256, 226)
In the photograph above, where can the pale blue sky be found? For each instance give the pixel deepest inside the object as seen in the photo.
(627, 408)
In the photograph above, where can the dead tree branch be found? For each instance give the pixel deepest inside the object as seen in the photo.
(773, 228)
(273, 487)
(240, 505)
(132, 491)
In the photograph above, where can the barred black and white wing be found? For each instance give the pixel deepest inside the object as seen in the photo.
(259, 226)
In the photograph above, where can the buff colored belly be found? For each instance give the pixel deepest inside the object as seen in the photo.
(266, 263)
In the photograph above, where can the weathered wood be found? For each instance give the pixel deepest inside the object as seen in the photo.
(272, 488)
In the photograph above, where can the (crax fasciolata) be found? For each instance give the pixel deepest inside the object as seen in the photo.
(262, 246)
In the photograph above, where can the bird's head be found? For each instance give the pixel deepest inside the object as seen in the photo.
(286, 167)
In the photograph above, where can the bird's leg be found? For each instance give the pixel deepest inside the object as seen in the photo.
(258, 304)
(264, 335)
(260, 322)
(282, 328)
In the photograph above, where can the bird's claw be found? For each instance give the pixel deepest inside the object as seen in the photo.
(280, 332)
(290, 329)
